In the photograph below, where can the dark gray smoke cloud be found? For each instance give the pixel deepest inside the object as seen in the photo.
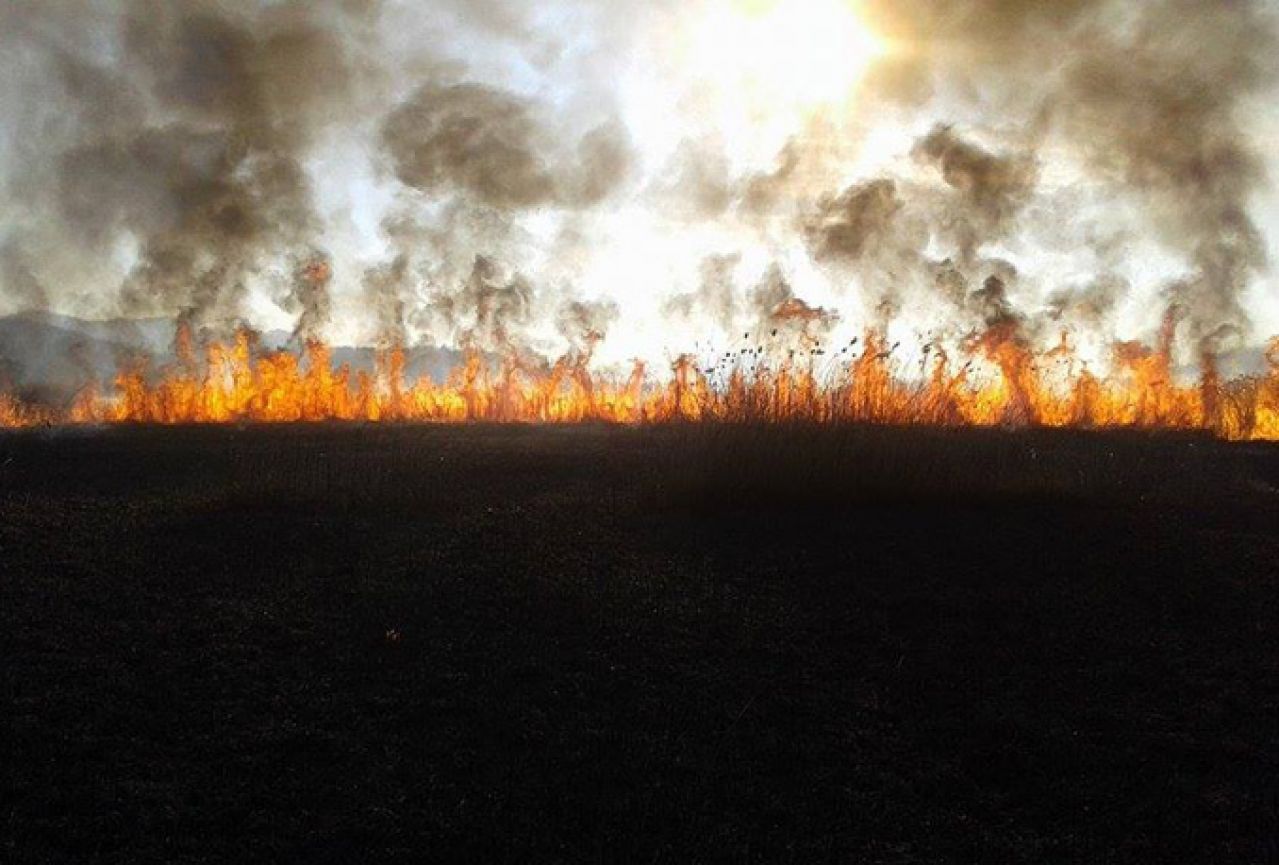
(1093, 303)
(494, 147)
(483, 157)
(1163, 115)
(387, 287)
(311, 295)
(991, 188)
(847, 225)
(474, 139)
(170, 146)
(1152, 96)
(186, 140)
(487, 310)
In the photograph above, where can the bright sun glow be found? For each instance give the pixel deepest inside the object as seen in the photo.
(767, 65)
(792, 54)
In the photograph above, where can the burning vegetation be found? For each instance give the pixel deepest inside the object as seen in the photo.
(193, 153)
(996, 379)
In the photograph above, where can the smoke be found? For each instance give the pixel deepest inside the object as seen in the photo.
(778, 310)
(584, 323)
(991, 189)
(386, 287)
(179, 160)
(716, 295)
(24, 287)
(185, 143)
(698, 184)
(483, 158)
(770, 306)
(1092, 304)
(487, 310)
(1162, 117)
(846, 226)
(1151, 98)
(473, 139)
(491, 146)
(991, 301)
(311, 295)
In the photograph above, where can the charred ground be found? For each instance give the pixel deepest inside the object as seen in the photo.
(684, 644)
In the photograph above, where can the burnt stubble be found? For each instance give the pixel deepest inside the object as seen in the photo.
(683, 644)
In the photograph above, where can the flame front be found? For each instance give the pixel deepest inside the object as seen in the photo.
(860, 383)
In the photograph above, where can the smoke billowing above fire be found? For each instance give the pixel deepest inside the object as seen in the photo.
(608, 182)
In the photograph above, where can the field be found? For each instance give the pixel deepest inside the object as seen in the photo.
(683, 644)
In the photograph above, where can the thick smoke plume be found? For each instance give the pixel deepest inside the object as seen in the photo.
(991, 188)
(849, 225)
(487, 309)
(492, 146)
(185, 144)
(179, 159)
(1150, 97)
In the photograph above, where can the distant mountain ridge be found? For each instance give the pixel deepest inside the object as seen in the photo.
(48, 357)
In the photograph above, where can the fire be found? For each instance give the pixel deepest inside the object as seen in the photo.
(14, 413)
(995, 379)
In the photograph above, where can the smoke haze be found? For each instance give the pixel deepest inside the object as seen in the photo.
(548, 179)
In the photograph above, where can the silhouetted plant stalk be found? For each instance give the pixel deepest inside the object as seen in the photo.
(996, 379)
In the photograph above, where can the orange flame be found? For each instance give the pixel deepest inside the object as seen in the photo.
(233, 382)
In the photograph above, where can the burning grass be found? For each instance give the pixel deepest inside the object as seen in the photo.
(998, 380)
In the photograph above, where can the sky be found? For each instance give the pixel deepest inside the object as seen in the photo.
(644, 178)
